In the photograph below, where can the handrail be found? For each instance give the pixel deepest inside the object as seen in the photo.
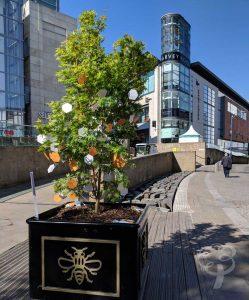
(17, 135)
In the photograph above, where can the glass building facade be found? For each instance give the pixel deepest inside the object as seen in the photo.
(11, 63)
(209, 114)
(175, 88)
(53, 4)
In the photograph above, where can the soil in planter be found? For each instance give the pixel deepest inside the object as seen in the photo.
(105, 215)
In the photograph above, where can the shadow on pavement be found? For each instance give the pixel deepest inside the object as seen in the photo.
(25, 187)
(206, 262)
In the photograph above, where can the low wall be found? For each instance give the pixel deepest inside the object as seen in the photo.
(184, 161)
(199, 148)
(17, 162)
(148, 167)
(216, 155)
(151, 166)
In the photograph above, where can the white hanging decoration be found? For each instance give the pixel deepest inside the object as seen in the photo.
(133, 94)
(88, 188)
(53, 148)
(102, 93)
(82, 132)
(67, 107)
(122, 189)
(41, 138)
(88, 159)
(51, 168)
(100, 128)
(94, 107)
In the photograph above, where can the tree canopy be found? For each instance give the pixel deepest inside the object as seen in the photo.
(86, 129)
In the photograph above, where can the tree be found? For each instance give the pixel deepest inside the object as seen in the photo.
(87, 128)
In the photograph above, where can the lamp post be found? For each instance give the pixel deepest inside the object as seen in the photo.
(231, 132)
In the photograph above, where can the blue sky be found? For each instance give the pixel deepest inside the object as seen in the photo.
(219, 30)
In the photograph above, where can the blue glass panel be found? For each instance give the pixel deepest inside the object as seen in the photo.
(2, 100)
(167, 133)
(2, 81)
(150, 83)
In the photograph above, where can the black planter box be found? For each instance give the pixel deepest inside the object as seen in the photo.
(86, 260)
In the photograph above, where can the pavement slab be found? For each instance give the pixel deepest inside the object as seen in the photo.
(218, 208)
(15, 211)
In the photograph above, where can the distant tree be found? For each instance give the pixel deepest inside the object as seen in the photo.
(87, 128)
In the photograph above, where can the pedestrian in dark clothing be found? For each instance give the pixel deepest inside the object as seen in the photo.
(227, 164)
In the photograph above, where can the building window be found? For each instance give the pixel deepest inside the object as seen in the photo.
(144, 115)
(231, 108)
(149, 83)
(176, 76)
(208, 114)
(198, 105)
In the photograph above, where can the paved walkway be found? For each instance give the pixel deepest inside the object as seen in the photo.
(219, 210)
(15, 210)
(199, 251)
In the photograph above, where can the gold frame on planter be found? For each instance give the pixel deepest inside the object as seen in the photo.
(75, 291)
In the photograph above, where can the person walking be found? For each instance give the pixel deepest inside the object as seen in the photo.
(227, 164)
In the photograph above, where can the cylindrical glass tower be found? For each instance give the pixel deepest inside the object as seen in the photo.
(175, 89)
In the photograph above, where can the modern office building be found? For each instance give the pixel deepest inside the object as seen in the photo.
(11, 63)
(220, 114)
(180, 93)
(44, 30)
(30, 33)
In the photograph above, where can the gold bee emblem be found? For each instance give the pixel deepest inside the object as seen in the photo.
(80, 265)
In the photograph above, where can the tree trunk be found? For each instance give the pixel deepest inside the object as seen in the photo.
(97, 206)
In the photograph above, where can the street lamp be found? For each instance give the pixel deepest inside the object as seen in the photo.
(231, 132)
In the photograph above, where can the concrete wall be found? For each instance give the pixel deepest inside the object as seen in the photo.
(17, 162)
(148, 167)
(184, 161)
(155, 165)
(202, 153)
(216, 155)
(199, 148)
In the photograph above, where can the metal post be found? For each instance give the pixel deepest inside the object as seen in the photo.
(34, 195)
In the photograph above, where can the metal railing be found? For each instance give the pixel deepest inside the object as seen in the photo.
(236, 151)
(17, 135)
